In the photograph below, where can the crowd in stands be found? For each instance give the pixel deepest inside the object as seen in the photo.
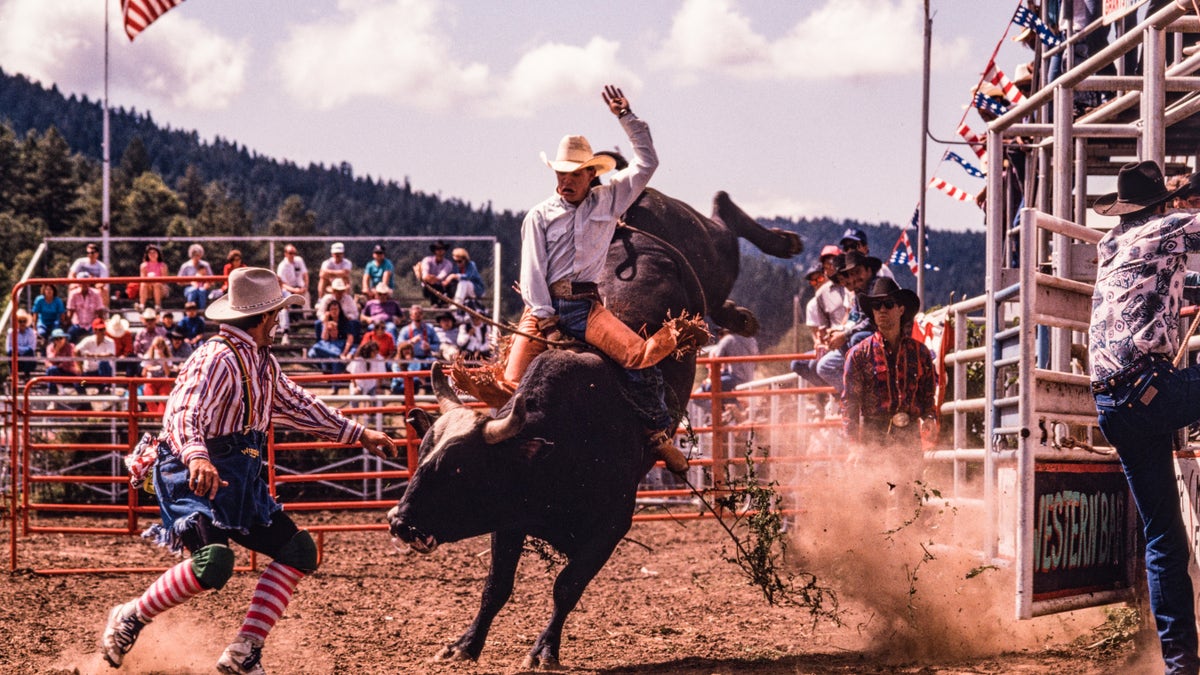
(81, 335)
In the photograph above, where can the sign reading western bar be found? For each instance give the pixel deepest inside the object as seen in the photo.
(1084, 529)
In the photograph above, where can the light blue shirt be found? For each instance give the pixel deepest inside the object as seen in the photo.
(563, 241)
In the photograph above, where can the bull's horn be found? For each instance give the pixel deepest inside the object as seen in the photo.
(447, 399)
(504, 428)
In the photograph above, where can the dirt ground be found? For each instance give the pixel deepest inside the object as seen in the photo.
(667, 602)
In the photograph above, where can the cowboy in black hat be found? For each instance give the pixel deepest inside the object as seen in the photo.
(890, 378)
(1141, 398)
(434, 270)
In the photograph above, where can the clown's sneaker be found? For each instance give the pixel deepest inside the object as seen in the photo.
(122, 630)
(243, 657)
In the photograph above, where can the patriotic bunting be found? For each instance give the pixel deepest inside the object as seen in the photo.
(953, 192)
(978, 144)
(902, 253)
(139, 14)
(967, 166)
(998, 78)
(994, 106)
(1028, 19)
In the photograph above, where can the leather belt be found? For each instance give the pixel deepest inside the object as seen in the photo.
(564, 289)
(1127, 374)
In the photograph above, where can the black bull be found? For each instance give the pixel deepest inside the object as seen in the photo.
(563, 459)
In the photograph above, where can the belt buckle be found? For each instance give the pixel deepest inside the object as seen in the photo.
(901, 420)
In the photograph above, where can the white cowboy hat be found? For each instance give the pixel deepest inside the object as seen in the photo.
(339, 284)
(117, 326)
(574, 153)
(252, 290)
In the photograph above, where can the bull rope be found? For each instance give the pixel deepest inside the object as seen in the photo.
(509, 328)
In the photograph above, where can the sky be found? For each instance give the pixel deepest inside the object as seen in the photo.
(796, 108)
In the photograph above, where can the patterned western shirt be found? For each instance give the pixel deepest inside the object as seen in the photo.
(207, 401)
(1139, 285)
(878, 387)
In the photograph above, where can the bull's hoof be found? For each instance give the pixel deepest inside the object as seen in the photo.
(453, 653)
(535, 662)
(795, 245)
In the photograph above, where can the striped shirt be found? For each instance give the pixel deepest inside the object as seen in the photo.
(207, 399)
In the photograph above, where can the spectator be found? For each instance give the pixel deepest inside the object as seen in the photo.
(465, 281)
(854, 239)
(382, 309)
(180, 348)
(83, 307)
(60, 360)
(379, 271)
(149, 331)
(406, 361)
(157, 363)
(366, 361)
(191, 325)
(26, 338)
(825, 313)
(435, 270)
(381, 338)
(233, 260)
(293, 274)
(94, 267)
(152, 266)
(339, 294)
(890, 378)
(129, 358)
(196, 266)
(474, 339)
(733, 374)
(334, 267)
(446, 331)
(167, 320)
(420, 335)
(97, 351)
(854, 272)
(50, 311)
(334, 341)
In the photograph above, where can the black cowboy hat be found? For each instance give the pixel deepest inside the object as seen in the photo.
(852, 259)
(884, 288)
(1139, 186)
(439, 244)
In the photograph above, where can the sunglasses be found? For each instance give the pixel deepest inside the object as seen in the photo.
(887, 304)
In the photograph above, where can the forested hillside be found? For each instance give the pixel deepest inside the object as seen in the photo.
(169, 182)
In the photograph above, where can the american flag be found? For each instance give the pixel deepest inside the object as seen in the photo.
(994, 106)
(955, 193)
(139, 14)
(967, 166)
(1028, 19)
(977, 144)
(997, 78)
(902, 252)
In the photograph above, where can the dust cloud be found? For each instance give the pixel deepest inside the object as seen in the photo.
(907, 563)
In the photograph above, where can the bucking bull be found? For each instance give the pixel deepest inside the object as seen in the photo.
(562, 460)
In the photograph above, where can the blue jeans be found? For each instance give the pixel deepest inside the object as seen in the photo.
(832, 369)
(1140, 419)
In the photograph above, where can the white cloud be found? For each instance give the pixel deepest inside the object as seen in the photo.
(843, 38)
(387, 49)
(401, 51)
(176, 60)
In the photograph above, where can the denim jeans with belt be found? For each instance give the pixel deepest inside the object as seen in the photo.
(1140, 419)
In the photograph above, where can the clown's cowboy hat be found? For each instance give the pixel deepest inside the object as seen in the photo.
(252, 291)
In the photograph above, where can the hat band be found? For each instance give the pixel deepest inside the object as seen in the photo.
(247, 308)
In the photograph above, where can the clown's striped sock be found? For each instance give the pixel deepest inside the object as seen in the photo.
(271, 596)
(174, 587)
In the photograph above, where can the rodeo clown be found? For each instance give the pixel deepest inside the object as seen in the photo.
(207, 471)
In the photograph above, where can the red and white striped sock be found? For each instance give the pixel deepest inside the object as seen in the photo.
(271, 597)
(174, 587)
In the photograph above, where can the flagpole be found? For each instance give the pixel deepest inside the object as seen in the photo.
(924, 159)
(107, 171)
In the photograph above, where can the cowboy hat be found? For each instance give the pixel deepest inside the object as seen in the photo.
(252, 291)
(853, 259)
(1139, 186)
(574, 153)
(884, 288)
(338, 284)
(383, 288)
(117, 326)
(438, 245)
